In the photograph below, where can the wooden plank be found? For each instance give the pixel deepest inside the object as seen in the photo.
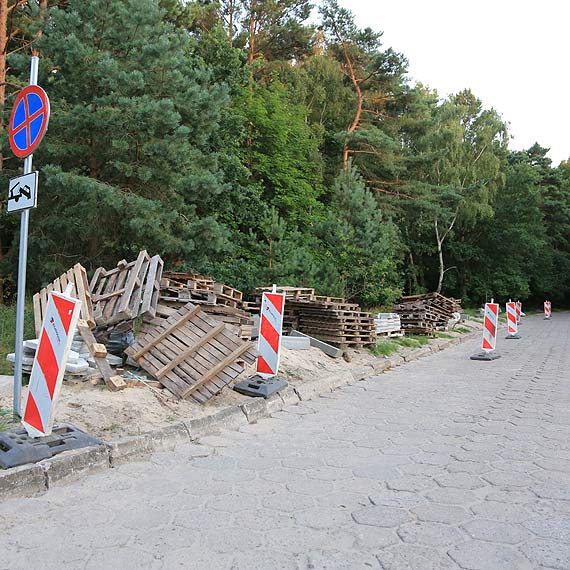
(138, 353)
(218, 368)
(101, 363)
(37, 313)
(152, 287)
(190, 350)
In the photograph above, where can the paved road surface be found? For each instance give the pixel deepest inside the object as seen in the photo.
(444, 463)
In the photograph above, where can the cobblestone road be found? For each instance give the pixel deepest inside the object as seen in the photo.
(444, 463)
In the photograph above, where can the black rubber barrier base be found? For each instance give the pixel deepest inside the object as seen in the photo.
(513, 336)
(486, 356)
(259, 387)
(18, 448)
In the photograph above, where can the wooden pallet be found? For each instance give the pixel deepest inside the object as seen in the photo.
(77, 276)
(190, 353)
(128, 291)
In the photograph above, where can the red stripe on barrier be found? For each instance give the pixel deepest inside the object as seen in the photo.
(490, 326)
(494, 308)
(32, 414)
(263, 367)
(48, 363)
(487, 344)
(277, 301)
(65, 310)
(269, 333)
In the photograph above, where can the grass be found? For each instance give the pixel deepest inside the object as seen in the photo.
(462, 330)
(412, 341)
(440, 334)
(8, 332)
(7, 420)
(384, 348)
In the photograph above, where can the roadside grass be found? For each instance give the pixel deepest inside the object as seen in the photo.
(8, 332)
(440, 334)
(412, 341)
(384, 348)
(7, 420)
(462, 330)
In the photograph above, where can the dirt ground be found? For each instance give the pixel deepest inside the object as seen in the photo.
(112, 415)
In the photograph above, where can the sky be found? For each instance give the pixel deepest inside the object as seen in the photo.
(513, 55)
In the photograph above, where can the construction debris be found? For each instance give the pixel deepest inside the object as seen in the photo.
(128, 291)
(331, 319)
(424, 314)
(388, 324)
(190, 353)
(77, 276)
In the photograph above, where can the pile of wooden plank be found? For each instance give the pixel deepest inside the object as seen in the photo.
(193, 349)
(388, 324)
(77, 277)
(217, 299)
(128, 291)
(177, 287)
(331, 319)
(190, 353)
(424, 314)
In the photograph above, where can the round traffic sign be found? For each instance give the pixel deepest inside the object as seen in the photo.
(29, 120)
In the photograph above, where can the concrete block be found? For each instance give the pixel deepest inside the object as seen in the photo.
(296, 342)
(289, 396)
(254, 409)
(231, 418)
(311, 389)
(332, 351)
(129, 448)
(381, 366)
(419, 353)
(132, 447)
(274, 404)
(71, 465)
(396, 361)
(23, 481)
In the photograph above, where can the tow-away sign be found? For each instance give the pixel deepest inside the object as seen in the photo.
(22, 192)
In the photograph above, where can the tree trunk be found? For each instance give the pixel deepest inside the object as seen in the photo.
(251, 54)
(3, 70)
(231, 21)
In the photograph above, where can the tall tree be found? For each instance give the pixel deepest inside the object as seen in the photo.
(131, 160)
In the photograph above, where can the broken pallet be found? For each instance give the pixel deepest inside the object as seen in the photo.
(190, 353)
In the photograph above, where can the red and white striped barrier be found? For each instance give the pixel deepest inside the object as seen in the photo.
(490, 326)
(547, 309)
(512, 324)
(269, 343)
(519, 311)
(60, 320)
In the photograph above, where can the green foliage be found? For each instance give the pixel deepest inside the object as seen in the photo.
(361, 243)
(412, 341)
(384, 348)
(8, 332)
(237, 139)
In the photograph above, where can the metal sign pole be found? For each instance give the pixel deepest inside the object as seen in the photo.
(22, 264)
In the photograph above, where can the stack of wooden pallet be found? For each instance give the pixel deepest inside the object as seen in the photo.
(388, 324)
(331, 319)
(217, 299)
(179, 288)
(424, 314)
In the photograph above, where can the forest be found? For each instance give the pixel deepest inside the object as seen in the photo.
(270, 141)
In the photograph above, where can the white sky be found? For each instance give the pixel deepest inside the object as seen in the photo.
(513, 54)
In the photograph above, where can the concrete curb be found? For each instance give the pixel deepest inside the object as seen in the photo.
(35, 479)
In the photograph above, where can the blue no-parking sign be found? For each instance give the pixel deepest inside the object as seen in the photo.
(28, 121)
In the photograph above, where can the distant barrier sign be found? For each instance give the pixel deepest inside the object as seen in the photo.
(28, 121)
(22, 192)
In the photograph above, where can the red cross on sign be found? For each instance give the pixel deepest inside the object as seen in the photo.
(28, 121)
